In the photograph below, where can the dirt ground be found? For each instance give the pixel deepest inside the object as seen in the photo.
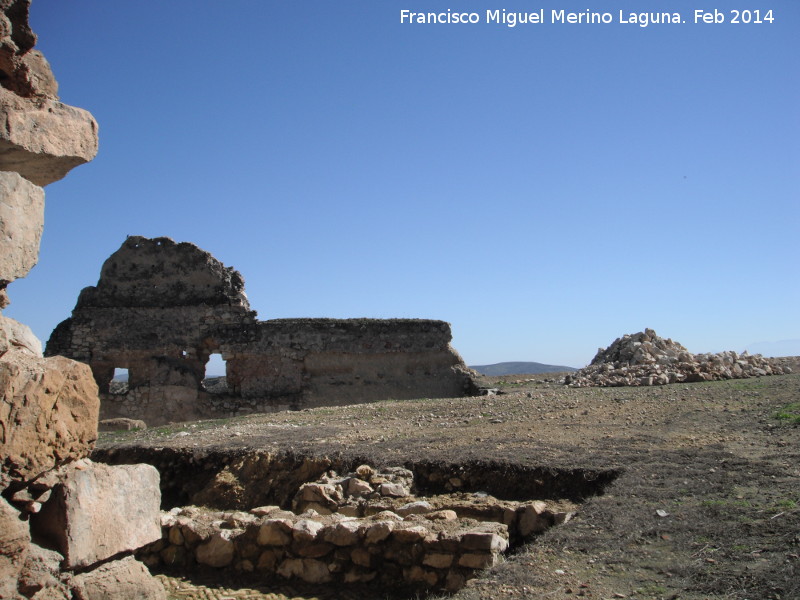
(706, 504)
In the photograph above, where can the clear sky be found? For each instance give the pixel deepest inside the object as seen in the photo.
(544, 188)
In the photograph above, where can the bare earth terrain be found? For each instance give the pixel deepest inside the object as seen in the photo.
(705, 503)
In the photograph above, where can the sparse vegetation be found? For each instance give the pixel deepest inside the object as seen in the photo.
(789, 413)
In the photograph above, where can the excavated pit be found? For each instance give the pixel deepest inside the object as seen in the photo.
(265, 478)
(332, 521)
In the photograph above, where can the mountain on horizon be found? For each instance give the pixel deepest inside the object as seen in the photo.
(519, 368)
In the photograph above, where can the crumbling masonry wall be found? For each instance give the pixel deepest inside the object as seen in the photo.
(161, 309)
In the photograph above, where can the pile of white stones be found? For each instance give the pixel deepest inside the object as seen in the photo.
(372, 530)
(644, 358)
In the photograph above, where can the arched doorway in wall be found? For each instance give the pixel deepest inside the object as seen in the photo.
(214, 378)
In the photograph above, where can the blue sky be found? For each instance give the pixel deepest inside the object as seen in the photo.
(544, 188)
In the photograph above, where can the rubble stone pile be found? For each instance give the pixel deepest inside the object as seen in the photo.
(644, 358)
(68, 527)
(362, 527)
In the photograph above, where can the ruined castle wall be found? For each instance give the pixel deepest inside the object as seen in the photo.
(274, 365)
(333, 361)
(130, 338)
(161, 308)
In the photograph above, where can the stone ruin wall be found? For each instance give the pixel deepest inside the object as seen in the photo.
(68, 527)
(161, 308)
(366, 526)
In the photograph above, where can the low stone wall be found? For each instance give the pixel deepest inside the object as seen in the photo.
(385, 548)
(359, 528)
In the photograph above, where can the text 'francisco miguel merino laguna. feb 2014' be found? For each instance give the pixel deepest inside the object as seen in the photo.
(587, 17)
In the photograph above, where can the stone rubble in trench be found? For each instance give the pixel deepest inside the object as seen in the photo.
(363, 527)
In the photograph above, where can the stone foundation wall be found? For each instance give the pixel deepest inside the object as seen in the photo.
(161, 308)
(362, 527)
(385, 548)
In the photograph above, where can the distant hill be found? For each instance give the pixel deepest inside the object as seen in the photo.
(519, 368)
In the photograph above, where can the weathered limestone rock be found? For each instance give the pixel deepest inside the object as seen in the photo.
(420, 507)
(356, 487)
(322, 497)
(38, 76)
(394, 490)
(16, 337)
(307, 569)
(42, 571)
(646, 359)
(21, 224)
(306, 530)
(48, 414)
(43, 139)
(97, 511)
(345, 533)
(379, 531)
(275, 532)
(219, 550)
(533, 518)
(490, 541)
(16, 42)
(15, 33)
(126, 578)
(14, 544)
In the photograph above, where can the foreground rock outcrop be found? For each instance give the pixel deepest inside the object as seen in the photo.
(161, 308)
(65, 523)
(44, 139)
(41, 138)
(86, 501)
(644, 358)
(21, 221)
(48, 414)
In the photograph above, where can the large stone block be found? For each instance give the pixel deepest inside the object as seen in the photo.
(48, 414)
(98, 511)
(44, 139)
(18, 337)
(126, 579)
(14, 543)
(21, 224)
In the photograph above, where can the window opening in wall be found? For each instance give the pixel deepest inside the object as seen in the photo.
(214, 381)
(119, 382)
